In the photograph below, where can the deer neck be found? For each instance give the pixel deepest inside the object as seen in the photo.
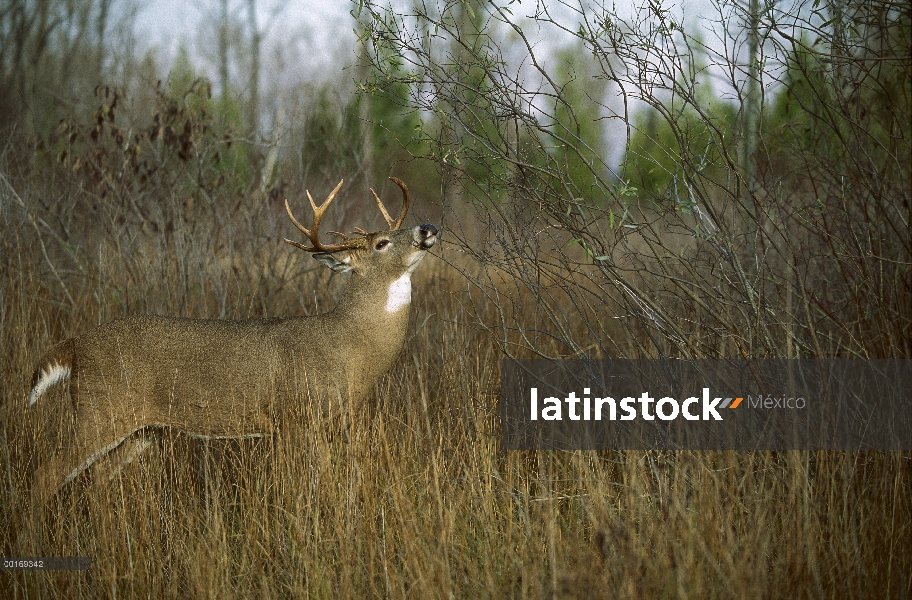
(376, 310)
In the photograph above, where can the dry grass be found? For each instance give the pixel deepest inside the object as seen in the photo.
(408, 497)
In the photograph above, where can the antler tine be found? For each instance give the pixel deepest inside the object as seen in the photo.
(320, 210)
(389, 220)
(313, 234)
(406, 199)
(301, 246)
(295, 221)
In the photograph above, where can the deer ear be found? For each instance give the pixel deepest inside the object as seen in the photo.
(329, 259)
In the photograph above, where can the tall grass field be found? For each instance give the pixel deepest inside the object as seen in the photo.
(409, 495)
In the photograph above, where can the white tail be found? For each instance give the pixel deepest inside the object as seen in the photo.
(230, 378)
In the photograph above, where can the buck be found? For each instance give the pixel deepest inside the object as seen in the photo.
(228, 379)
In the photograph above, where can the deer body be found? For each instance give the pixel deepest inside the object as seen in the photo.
(227, 379)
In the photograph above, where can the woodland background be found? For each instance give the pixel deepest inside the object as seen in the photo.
(609, 184)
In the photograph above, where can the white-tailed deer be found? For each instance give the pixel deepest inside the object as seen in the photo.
(228, 379)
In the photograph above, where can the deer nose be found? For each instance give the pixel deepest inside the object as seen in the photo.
(428, 236)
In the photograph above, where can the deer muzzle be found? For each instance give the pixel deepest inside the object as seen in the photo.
(426, 236)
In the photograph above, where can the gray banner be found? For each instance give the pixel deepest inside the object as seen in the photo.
(706, 405)
(47, 563)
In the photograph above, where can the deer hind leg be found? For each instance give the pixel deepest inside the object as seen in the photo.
(95, 436)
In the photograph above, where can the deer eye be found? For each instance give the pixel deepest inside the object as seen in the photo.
(382, 244)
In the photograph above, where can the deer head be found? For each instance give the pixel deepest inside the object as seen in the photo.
(383, 259)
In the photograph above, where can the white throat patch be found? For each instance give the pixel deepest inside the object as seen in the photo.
(400, 293)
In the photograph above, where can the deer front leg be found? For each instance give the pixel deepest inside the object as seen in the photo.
(111, 465)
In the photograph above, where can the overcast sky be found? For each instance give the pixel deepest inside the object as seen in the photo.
(319, 33)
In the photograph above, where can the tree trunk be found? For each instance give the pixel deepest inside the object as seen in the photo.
(256, 40)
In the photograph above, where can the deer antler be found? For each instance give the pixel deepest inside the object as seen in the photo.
(313, 234)
(405, 205)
